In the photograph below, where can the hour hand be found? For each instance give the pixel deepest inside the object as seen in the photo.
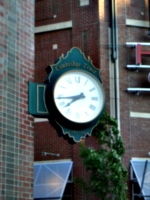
(75, 98)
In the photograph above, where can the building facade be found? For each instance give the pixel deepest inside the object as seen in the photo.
(16, 125)
(115, 35)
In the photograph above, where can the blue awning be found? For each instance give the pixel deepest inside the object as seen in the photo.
(50, 178)
(141, 168)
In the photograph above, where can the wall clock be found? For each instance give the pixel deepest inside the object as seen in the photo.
(78, 96)
(75, 97)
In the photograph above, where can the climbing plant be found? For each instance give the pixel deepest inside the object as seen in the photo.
(106, 174)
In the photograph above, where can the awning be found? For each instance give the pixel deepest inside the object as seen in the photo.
(50, 178)
(141, 168)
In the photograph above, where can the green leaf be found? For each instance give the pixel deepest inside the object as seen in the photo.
(106, 176)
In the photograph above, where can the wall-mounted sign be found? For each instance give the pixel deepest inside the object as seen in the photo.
(73, 95)
(139, 52)
(141, 49)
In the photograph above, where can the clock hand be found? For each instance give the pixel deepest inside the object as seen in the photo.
(75, 98)
(72, 97)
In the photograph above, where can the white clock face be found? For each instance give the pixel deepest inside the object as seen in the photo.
(78, 96)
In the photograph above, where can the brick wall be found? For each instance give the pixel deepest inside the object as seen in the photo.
(50, 12)
(133, 127)
(16, 128)
(90, 33)
(135, 131)
(46, 55)
(83, 34)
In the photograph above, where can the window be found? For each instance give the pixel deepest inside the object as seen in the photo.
(84, 2)
(85, 42)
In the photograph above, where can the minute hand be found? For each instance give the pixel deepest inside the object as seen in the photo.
(75, 98)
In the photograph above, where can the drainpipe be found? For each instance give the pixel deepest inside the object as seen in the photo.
(114, 50)
(149, 16)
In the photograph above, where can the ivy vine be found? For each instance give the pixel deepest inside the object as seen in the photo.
(106, 174)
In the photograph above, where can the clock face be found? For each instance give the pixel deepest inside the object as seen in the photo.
(78, 96)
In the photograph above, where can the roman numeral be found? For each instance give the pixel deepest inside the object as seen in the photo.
(86, 113)
(62, 103)
(69, 81)
(68, 112)
(77, 115)
(86, 82)
(92, 89)
(62, 86)
(94, 98)
(92, 107)
(77, 79)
